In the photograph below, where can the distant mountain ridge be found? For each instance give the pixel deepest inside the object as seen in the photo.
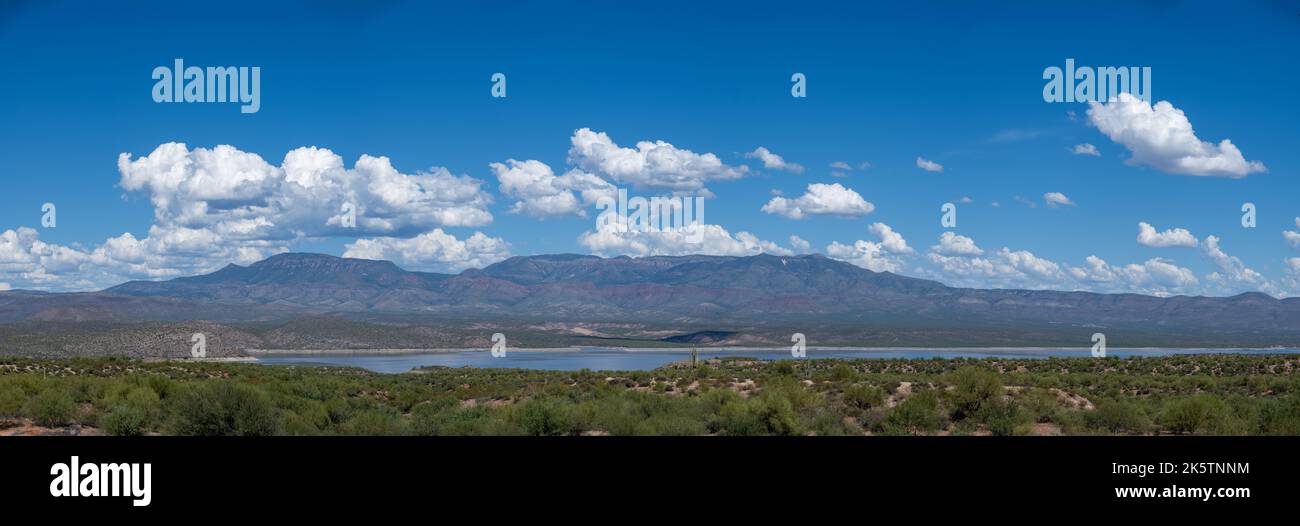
(310, 281)
(558, 284)
(721, 293)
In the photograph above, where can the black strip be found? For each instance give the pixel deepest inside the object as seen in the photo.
(324, 475)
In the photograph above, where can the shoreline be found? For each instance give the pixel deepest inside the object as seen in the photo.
(254, 353)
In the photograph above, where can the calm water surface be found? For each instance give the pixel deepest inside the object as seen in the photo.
(611, 359)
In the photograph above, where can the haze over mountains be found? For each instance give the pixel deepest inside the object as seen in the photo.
(692, 299)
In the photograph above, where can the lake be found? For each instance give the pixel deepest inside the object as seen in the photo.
(616, 359)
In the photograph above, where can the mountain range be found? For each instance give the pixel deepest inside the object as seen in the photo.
(682, 299)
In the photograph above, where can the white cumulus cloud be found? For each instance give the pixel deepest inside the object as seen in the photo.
(1233, 276)
(1085, 149)
(951, 244)
(239, 193)
(608, 240)
(928, 165)
(1155, 276)
(1292, 236)
(773, 161)
(1055, 199)
(1161, 136)
(435, 251)
(214, 206)
(1173, 237)
(888, 254)
(821, 199)
(800, 245)
(539, 192)
(657, 165)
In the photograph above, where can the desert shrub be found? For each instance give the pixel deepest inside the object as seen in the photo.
(1115, 417)
(1040, 405)
(407, 396)
(374, 422)
(160, 385)
(827, 423)
(1193, 414)
(51, 407)
(135, 412)
(741, 418)
(672, 424)
(224, 408)
(12, 397)
(611, 413)
(1004, 419)
(777, 414)
(843, 373)
(917, 413)
(712, 403)
(1280, 416)
(974, 389)
(338, 411)
(863, 396)
(146, 401)
(295, 424)
(773, 411)
(427, 419)
(473, 421)
(546, 416)
(125, 420)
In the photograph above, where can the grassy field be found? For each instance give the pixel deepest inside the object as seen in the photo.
(1206, 394)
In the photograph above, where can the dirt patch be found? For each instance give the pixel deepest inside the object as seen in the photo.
(744, 388)
(904, 390)
(474, 402)
(10, 427)
(1072, 401)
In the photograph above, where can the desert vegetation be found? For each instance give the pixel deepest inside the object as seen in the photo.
(1180, 395)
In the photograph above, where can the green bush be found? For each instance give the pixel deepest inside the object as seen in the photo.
(53, 407)
(1193, 414)
(1115, 417)
(374, 422)
(1004, 419)
(917, 413)
(294, 424)
(545, 417)
(224, 408)
(1040, 405)
(473, 421)
(125, 420)
(974, 389)
(12, 397)
(777, 414)
(863, 396)
(843, 373)
(1280, 417)
(673, 425)
(741, 418)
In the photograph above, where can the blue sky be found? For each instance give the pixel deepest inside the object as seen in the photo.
(959, 85)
